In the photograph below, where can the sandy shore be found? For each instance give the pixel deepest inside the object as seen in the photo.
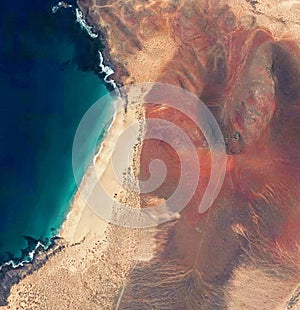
(123, 133)
(81, 220)
(92, 271)
(95, 261)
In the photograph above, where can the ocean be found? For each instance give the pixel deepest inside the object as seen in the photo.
(48, 77)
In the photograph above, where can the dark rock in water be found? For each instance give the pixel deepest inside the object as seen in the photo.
(10, 275)
(31, 244)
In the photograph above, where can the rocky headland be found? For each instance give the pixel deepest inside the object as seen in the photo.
(241, 58)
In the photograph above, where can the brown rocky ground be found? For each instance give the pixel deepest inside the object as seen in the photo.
(241, 59)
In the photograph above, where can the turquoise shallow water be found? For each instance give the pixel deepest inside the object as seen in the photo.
(48, 82)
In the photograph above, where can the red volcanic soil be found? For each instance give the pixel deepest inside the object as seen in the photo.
(250, 81)
(251, 84)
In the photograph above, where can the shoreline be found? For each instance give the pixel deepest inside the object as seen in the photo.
(83, 230)
(107, 70)
(11, 274)
(105, 265)
(89, 240)
(86, 238)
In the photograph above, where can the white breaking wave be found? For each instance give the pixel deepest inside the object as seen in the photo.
(61, 4)
(30, 254)
(106, 70)
(80, 19)
(89, 29)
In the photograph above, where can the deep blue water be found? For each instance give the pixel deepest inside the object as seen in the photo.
(47, 83)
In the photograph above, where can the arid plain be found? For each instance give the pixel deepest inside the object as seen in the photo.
(241, 58)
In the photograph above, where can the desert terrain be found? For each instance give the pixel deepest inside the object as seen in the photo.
(241, 59)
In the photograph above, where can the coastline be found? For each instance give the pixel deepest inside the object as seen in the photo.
(91, 242)
(76, 205)
(78, 211)
(11, 272)
(82, 232)
(102, 264)
(106, 68)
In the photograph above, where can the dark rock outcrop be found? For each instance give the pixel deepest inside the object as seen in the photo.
(10, 275)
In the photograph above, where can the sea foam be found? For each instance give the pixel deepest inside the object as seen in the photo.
(30, 255)
(89, 29)
(61, 4)
(107, 71)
